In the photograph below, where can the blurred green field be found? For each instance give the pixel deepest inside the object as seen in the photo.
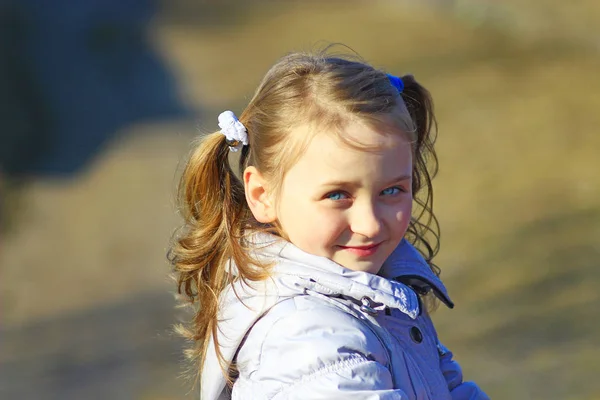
(516, 88)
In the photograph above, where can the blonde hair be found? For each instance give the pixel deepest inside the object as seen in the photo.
(301, 88)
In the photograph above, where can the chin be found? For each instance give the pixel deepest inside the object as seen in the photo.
(364, 266)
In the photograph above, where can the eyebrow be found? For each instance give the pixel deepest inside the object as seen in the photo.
(346, 183)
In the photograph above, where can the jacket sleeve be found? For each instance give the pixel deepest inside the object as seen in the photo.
(459, 390)
(314, 355)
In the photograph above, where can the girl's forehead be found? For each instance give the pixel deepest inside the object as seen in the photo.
(360, 150)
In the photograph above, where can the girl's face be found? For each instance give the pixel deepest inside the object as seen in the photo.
(352, 206)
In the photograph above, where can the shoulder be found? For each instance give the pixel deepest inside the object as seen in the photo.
(302, 334)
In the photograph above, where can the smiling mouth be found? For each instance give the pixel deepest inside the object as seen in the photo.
(361, 251)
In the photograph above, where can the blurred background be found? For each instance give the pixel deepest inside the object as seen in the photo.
(100, 99)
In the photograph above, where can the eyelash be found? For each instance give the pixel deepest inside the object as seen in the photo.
(330, 195)
(394, 187)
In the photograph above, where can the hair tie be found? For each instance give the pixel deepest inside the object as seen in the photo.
(396, 82)
(235, 132)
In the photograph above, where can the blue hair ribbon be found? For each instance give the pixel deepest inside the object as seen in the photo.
(396, 82)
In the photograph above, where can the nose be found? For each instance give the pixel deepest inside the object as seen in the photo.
(365, 220)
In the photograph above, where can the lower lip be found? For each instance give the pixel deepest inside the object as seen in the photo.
(361, 251)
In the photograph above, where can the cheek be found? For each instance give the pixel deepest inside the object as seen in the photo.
(402, 217)
(314, 230)
(329, 225)
(323, 229)
(407, 214)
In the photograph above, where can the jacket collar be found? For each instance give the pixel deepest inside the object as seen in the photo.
(404, 268)
(407, 265)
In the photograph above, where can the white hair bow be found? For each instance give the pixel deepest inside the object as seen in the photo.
(235, 132)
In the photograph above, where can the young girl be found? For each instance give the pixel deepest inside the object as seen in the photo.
(305, 273)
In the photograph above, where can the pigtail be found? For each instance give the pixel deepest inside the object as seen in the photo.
(215, 212)
(424, 230)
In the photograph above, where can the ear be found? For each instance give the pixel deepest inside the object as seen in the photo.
(258, 196)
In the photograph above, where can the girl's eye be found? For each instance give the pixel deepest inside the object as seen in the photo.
(391, 191)
(336, 196)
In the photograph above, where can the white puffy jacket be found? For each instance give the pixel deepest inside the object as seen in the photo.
(316, 330)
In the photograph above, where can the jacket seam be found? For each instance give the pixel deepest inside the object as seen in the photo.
(372, 325)
(352, 361)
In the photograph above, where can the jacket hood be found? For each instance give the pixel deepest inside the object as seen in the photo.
(294, 273)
